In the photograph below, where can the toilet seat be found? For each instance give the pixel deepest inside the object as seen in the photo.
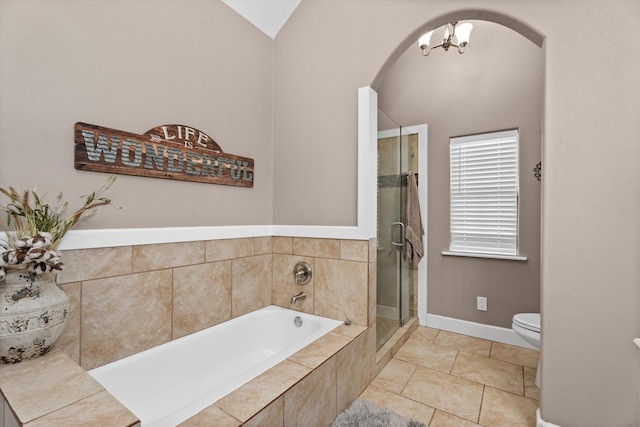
(529, 321)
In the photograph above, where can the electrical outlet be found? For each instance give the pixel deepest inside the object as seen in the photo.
(482, 303)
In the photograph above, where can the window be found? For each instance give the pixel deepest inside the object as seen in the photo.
(484, 194)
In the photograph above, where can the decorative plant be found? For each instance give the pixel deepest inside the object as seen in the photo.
(34, 229)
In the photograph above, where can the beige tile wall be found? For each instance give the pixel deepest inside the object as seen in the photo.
(127, 299)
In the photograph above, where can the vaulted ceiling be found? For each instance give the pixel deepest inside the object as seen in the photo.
(267, 15)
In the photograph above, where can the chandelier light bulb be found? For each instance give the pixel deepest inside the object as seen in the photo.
(424, 41)
(447, 32)
(463, 32)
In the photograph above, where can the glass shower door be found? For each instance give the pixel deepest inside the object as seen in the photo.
(395, 279)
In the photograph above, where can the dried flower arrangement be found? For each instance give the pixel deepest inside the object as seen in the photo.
(34, 229)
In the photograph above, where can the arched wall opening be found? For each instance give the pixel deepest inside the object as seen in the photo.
(454, 283)
(483, 15)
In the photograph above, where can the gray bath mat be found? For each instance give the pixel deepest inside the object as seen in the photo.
(365, 414)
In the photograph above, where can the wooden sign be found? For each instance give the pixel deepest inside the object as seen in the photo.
(169, 151)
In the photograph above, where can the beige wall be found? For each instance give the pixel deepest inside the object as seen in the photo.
(497, 84)
(131, 66)
(589, 282)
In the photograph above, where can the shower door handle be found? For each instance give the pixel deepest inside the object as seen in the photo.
(402, 234)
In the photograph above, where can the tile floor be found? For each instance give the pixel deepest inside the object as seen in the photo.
(445, 379)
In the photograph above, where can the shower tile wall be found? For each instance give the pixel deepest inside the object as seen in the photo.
(127, 299)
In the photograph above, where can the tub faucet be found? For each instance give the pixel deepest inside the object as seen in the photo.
(297, 297)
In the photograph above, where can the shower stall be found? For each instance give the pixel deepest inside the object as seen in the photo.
(396, 278)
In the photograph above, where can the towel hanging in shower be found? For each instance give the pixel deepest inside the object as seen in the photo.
(414, 249)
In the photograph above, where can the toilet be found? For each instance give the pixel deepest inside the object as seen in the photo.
(527, 325)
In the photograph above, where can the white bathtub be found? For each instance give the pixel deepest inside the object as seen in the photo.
(168, 384)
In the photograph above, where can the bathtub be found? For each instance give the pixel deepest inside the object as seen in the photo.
(168, 384)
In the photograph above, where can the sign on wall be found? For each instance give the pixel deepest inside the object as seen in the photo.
(168, 151)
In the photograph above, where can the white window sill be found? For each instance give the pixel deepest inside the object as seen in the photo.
(492, 256)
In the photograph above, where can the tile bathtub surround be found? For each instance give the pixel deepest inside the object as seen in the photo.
(100, 409)
(320, 248)
(201, 296)
(258, 393)
(54, 391)
(124, 315)
(167, 255)
(284, 287)
(317, 395)
(341, 290)
(314, 384)
(443, 378)
(87, 264)
(251, 280)
(309, 388)
(320, 350)
(174, 289)
(354, 250)
(68, 341)
(127, 299)
(356, 367)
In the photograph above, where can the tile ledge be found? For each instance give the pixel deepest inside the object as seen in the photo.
(32, 387)
(289, 359)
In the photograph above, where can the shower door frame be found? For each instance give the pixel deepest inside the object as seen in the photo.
(368, 184)
(422, 132)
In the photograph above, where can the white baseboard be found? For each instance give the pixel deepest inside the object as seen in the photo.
(478, 330)
(542, 423)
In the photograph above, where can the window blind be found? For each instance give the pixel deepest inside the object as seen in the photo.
(484, 193)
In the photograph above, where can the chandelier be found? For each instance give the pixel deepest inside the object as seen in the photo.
(461, 32)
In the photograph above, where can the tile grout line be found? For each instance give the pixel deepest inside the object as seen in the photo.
(484, 388)
(455, 359)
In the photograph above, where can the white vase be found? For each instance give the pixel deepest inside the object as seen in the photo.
(33, 312)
